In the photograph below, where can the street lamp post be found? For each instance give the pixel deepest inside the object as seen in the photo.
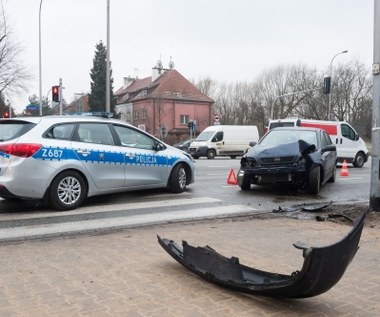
(39, 56)
(330, 73)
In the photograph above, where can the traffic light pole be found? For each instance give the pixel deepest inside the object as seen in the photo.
(60, 97)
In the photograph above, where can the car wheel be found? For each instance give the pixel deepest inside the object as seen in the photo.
(333, 175)
(246, 185)
(210, 154)
(178, 179)
(67, 191)
(195, 157)
(314, 181)
(359, 160)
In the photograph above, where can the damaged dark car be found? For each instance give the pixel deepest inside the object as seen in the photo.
(301, 157)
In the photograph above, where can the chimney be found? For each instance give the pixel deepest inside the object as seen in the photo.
(128, 81)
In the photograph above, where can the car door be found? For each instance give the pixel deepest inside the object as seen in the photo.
(144, 166)
(95, 147)
(347, 141)
(328, 157)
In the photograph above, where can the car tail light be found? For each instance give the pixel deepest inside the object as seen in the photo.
(20, 149)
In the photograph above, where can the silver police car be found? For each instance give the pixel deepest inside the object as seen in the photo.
(64, 159)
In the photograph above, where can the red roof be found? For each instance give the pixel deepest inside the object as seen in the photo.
(170, 85)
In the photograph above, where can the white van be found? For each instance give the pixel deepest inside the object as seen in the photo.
(350, 146)
(224, 140)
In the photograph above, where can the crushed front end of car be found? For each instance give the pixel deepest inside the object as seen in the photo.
(280, 164)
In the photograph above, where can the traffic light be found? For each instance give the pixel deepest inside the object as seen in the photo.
(326, 85)
(190, 124)
(55, 93)
(6, 114)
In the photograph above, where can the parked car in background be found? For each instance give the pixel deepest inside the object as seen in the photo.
(349, 145)
(64, 159)
(224, 140)
(301, 157)
(184, 145)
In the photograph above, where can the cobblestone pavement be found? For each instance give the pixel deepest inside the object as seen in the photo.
(127, 273)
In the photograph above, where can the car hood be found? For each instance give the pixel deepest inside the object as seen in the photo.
(290, 150)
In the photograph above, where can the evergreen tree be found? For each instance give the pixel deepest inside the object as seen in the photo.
(98, 74)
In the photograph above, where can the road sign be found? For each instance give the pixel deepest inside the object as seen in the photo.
(32, 107)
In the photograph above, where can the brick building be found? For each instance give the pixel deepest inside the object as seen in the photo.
(163, 104)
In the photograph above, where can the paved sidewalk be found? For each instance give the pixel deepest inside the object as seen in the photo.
(127, 273)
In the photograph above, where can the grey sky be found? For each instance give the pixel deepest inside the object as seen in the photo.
(227, 40)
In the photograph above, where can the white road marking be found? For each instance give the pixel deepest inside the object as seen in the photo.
(118, 222)
(112, 207)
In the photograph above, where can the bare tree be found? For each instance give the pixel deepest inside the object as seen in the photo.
(13, 74)
(351, 91)
(207, 86)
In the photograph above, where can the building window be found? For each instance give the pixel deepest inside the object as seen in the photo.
(135, 115)
(143, 114)
(183, 118)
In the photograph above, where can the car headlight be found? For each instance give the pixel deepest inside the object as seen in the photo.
(301, 161)
(247, 162)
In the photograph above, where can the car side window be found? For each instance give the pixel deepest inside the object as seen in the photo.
(98, 133)
(133, 138)
(325, 139)
(218, 137)
(60, 131)
(347, 132)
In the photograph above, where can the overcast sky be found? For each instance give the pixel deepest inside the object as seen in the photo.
(228, 41)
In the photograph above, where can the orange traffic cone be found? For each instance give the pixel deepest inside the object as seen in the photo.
(232, 178)
(344, 171)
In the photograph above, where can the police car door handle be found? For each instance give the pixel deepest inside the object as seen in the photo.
(84, 152)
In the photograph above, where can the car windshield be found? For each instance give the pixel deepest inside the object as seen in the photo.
(205, 135)
(276, 137)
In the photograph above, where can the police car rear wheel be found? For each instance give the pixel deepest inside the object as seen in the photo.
(178, 179)
(67, 191)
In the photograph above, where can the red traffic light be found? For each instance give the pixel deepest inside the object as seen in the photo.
(55, 93)
(6, 114)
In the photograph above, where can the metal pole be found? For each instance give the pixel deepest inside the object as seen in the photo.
(330, 73)
(375, 178)
(9, 109)
(39, 56)
(108, 84)
(60, 98)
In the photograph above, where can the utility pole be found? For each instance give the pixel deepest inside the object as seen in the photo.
(374, 198)
(108, 84)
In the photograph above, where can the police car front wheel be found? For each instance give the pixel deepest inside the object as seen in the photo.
(178, 179)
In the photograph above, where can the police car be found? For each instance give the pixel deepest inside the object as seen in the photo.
(65, 159)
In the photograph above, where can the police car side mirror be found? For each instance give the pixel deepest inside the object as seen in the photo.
(159, 147)
(252, 143)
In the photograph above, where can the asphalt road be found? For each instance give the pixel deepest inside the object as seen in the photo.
(209, 197)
